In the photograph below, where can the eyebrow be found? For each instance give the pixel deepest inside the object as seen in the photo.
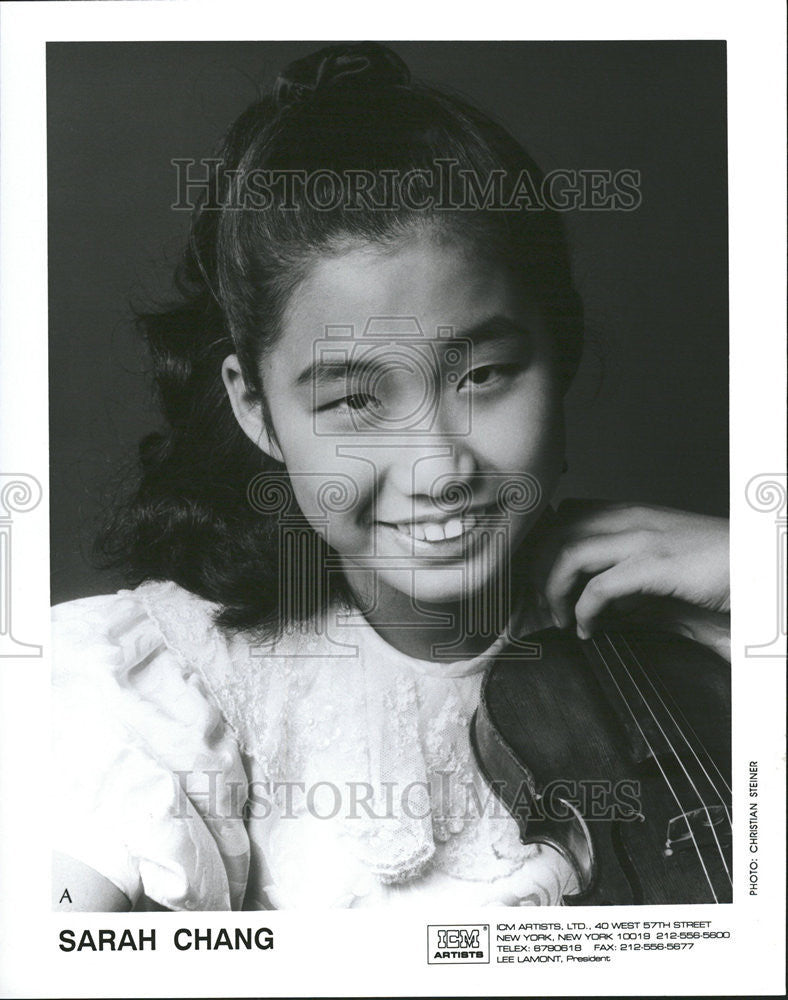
(494, 328)
(331, 370)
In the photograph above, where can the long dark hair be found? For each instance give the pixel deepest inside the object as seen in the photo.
(341, 110)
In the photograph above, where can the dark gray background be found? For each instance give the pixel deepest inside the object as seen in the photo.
(654, 280)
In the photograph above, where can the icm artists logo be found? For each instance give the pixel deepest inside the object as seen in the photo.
(458, 944)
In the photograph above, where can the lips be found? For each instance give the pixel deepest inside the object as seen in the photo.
(438, 530)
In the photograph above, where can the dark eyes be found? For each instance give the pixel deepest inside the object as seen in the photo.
(360, 401)
(483, 377)
(486, 376)
(357, 402)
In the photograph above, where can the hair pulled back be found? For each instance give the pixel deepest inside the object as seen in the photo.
(344, 109)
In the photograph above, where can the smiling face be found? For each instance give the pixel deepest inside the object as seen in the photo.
(422, 380)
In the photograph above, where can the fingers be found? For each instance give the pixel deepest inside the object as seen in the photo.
(620, 584)
(576, 562)
(598, 557)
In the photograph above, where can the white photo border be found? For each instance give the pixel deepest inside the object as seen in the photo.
(382, 953)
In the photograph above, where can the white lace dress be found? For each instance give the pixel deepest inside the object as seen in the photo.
(204, 772)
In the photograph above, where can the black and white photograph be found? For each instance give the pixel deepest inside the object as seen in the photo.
(391, 497)
(345, 520)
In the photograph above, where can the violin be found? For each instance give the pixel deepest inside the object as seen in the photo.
(615, 751)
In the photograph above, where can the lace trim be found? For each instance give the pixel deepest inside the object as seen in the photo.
(291, 708)
(185, 624)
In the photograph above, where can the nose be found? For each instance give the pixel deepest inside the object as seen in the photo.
(436, 469)
(438, 462)
(432, 466)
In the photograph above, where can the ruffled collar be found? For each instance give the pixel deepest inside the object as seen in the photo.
(309, 711)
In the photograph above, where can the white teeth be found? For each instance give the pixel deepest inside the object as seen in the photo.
(453, 528)
(434, 532)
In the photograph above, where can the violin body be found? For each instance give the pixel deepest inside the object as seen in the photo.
(616, 752)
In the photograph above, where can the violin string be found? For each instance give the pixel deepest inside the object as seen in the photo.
(673, 750)
(712, 826)
(659, 765)
(710, 780)
(701, 798)
(710, 761)
(657, 760)
(703, 803)
(677, 710)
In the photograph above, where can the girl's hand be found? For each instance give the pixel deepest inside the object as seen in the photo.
(601, 558)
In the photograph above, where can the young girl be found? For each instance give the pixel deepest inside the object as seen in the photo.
(346, 522)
